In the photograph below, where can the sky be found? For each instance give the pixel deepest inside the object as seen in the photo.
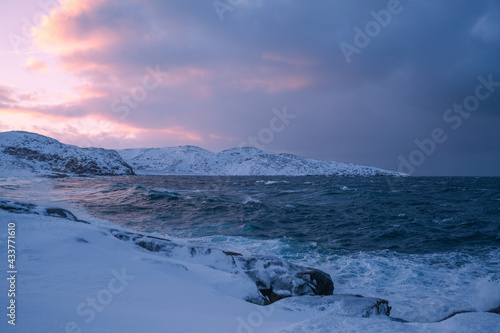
(404, 85)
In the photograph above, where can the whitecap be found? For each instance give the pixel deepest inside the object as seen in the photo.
(249, 199)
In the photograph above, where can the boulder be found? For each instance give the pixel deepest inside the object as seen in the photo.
(274, 278)
(28, 208)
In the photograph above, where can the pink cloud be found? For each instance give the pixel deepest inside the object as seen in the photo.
(108, 47)
(36, 66)
(90, 130)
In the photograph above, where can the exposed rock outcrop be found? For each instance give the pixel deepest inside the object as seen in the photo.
(27, 208)
(275, 278)
(37, 154)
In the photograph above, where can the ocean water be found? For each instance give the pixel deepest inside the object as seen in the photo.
(406, 215)
(428, 245)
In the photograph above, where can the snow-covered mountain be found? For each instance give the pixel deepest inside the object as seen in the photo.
(246, 161)
(30, 153)
(24, 152)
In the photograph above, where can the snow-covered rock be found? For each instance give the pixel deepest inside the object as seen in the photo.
(30, 153)
(245, 161)
(274, 278)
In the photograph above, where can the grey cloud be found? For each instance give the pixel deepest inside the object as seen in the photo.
(368, 111)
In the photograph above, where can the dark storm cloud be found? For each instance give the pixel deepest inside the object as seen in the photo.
(223, 78)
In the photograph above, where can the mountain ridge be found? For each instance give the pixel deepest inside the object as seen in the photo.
(26, 153)
(243, 161)
(30, 153)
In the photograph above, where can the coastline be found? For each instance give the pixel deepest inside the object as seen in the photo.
(77, 277)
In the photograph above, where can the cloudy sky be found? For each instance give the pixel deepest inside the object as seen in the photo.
(408, 85)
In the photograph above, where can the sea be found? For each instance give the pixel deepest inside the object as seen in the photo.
(429, 245)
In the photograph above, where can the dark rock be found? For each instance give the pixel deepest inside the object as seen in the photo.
(62, 213)
(27, 208)
(495, 310)
(81, 240)
(17, 207)
(320, 280)
(274, 278)
(230, 253)
(381, 307)
(150, 246)
(453, 315)
(270, 296)
(399, 320)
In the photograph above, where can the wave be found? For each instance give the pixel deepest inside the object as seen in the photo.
(248, 199)
(450, 281)
(271, 182)
(421, 287)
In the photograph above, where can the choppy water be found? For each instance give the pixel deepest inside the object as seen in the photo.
(408, 215)
(429, 245)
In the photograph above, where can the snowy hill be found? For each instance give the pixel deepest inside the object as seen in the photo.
(246, 161)
(30, 153)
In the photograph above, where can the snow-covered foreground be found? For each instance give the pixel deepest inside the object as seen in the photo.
(76, 277)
